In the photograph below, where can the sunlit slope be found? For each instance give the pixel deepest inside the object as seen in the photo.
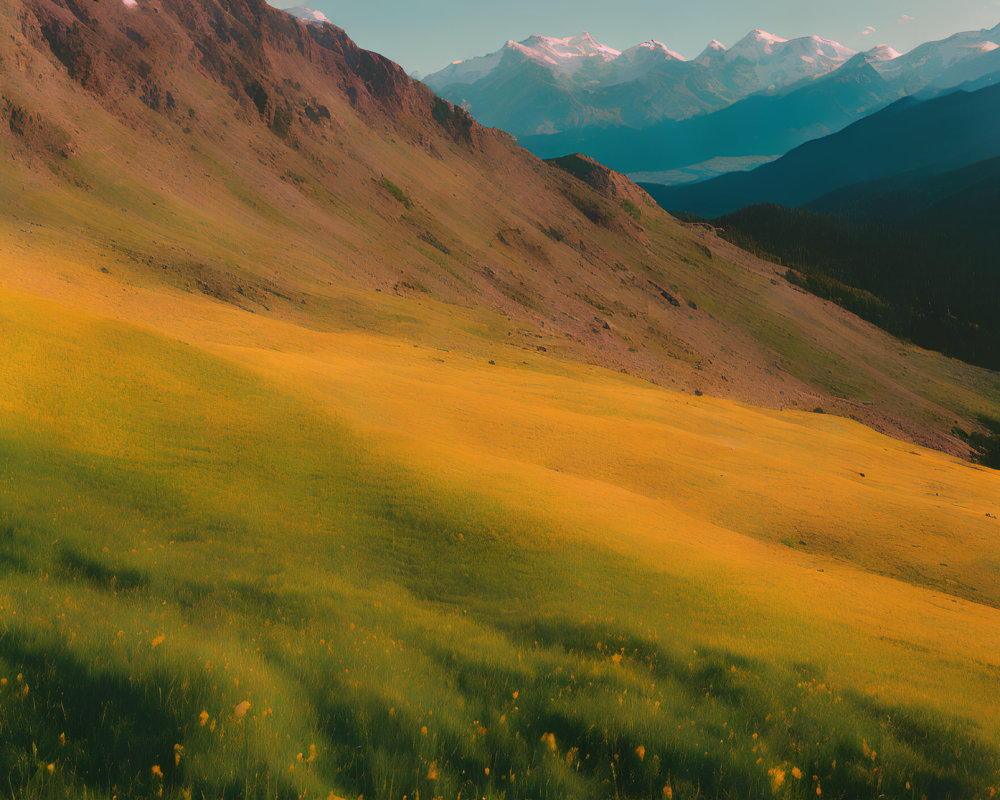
(427, 566)
(397, 192)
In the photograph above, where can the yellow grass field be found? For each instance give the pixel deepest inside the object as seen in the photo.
(384, 538)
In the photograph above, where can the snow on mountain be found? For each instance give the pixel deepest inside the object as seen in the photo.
(928, 61)
(881, 53)
(635, 62)
(775, 62)
(594, 85)
(307, 14)
(755, 46)
(563, 56)
(566, 55)
(650, 49)
(714, 46)
(467, 71)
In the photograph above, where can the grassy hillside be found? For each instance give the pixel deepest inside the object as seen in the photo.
(364, 458)
(429, 573)
(398, 192)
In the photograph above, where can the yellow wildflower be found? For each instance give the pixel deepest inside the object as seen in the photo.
(203, 718)
(240, 709)
(796, 773)
(641, 752)
(158, 640)
(777, 775)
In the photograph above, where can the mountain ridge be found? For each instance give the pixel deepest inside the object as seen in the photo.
(718, 76)
(937, 134)
(669, 113)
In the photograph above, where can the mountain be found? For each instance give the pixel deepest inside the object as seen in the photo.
(306, 14)
(561, 56)
(579, 82)
(291, 157)
(905, 237)
(760, 98)
(347, 449)
(944, 63)
(762, 126)
(914, 253)
(774, 62)
(935, 135)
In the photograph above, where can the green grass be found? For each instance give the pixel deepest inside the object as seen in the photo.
(415, 632)
(398, 194)
(632, 209)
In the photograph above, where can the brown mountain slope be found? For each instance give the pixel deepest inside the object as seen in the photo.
(227, 149)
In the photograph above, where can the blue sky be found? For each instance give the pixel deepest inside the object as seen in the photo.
(424, 35)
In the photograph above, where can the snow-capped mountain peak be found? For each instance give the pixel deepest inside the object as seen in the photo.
(774, 62)
(651, 49)
(931, 59)
(881, 53)
(547, 84)
(307, 14)
(564, 54)
(756, 44)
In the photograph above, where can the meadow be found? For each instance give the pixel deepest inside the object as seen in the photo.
(272, 561)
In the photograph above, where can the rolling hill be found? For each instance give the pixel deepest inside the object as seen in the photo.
(347, 449)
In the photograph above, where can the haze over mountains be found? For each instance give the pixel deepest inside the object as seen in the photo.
(933, 136)
(901, 205)
(649, 110)
(589, 83)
